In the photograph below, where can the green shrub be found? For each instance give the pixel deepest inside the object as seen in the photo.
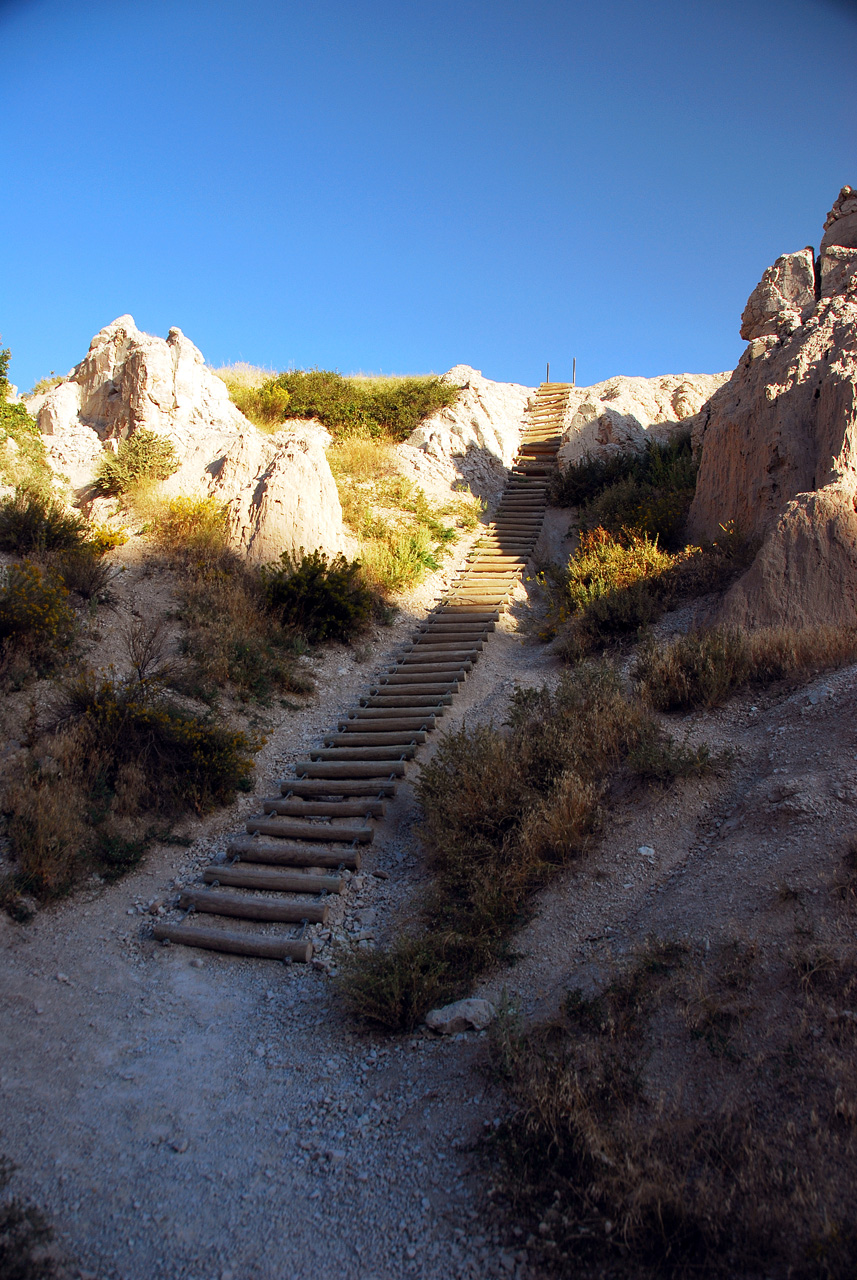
(32, 522)
(324, 600)
(143, 459)
(23, 459)
(85, 571)
(190, 762)
(45, 384)
(605, 564)
(382, 407)
(35, 617)
(402, 533)
(117, 754)
(649, 492)
(617, 585)
(231, 638)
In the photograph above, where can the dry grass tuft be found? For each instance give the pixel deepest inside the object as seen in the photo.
(501, 811)
(704, 668)
(662, 1127)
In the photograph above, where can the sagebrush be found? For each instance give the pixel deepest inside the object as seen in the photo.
(383, 407)
(142, 459)
(501, 811)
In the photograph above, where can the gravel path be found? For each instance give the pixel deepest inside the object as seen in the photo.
(180, 1114)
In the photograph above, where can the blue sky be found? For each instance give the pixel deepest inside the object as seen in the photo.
(402, 187)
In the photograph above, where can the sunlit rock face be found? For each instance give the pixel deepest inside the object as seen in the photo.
(278, 488)
(778, 454)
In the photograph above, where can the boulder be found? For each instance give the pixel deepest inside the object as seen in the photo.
(278, 488)
(837, 270)
(806, 570)
(280, 494)
(783, 425)
(778, 459)
(787, 286)
(621, 414)
(840, 227)
(478, 436)
(463, 1015)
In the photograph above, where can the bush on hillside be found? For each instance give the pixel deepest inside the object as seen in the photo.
(323, 599)
(33, 522)
(23, 460)
(118, 754)
(500, 812)
(35, 618)
(703, 668)
(383, 407)
(648, 493)
(143, 459)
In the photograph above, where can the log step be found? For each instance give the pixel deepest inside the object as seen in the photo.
(220, 902)
(411, 701)
(273, 880)
(280, 853)
(405, 752)
(237, 944)
(290, 829)
(347, 769)
(392, 717)
(344, 787)
(375, 738)
(368, 808)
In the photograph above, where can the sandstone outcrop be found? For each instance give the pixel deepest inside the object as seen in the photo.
(786, 291)
(621, 414)
(840, 227)
(478, 436)
(279, 489)
(778, 458)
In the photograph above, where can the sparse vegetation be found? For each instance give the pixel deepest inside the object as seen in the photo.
(649, 492)
(141, 460)
(388, 408)
(32, 522)
(704, 668)
(22, 451)
(402, 534)
(118, 754)
(45, 384)
(232, 637)
(24, 1236)
(654, 1129)
(501, 811)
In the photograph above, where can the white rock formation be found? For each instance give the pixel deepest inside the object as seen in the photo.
(478, 436)
(840, 227)
(279, 488)
(621, 414)
(463, 1015)
(778, 459)
(785, 292)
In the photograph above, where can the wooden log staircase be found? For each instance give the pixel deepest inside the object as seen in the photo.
(292, 855)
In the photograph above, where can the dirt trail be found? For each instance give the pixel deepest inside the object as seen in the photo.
(210, 1117)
